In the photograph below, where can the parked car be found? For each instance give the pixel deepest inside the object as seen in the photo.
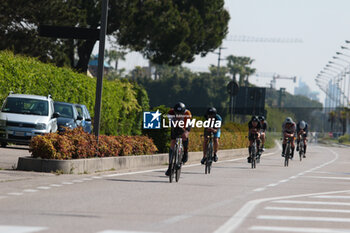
(25, 116)
(84, 113)
(69, 116)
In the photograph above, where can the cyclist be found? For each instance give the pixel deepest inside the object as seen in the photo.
(212, 115)
(254, 132)
(302, 131)
(177, 115)
(263, 124)
(288, 131)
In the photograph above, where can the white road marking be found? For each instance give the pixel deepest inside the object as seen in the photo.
(15, 194)
(30, 190)
(312, 202)
(97, 177)
(162, 169)
(235, 221)
(297, 229)
(283, 181)
(78, 181)
(87, 179)
(259, 189)
(55, 185)
(67, 183)
(20, 229)
(112, 231)
(302, 218)
(307, 209)
(272, 185)
(43, 187)
(329, 177)
(331, 197)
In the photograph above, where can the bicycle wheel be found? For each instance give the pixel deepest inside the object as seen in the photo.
(172, 165)
(253, 155)
(286, 158)
(178, 165)
(210, 156)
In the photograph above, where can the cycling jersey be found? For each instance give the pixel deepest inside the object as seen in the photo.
(306, 129)
(178, 130)
(218, 132)
(263, 126)
(288, 128)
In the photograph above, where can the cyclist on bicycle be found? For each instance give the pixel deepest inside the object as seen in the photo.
(177, 115)
(288, 131)
(254, 133)
(211, 114)
(302, 131)
(263, 124)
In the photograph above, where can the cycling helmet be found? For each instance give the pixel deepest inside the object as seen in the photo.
(261, 118)
(302, 124)
(211, 111)
(254, 118)
(289, 120)
(179, 108)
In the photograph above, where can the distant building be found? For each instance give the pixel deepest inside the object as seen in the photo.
(93, 64)
(304, 90)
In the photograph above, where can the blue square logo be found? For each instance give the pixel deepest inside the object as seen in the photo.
(151, 120)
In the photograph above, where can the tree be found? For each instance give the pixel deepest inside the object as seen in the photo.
(114, 56)
(18, 28)
(240, 65)
(166, 32)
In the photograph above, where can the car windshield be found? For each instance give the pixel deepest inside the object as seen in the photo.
(64, 110)
(26, 106)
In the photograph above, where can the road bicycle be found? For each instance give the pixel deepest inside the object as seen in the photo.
(254, 155)
(209, 153)
(176, 160)
(288, 151)
(301, 148)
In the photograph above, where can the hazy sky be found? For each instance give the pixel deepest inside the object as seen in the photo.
(323, 25)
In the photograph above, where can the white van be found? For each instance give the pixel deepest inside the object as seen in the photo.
(25, 116)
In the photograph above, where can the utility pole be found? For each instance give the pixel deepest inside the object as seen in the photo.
(100, 68)
(219, 59)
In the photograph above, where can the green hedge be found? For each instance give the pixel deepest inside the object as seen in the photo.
(122, 102)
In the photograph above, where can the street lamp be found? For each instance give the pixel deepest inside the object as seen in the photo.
(339, 53)
(337, 64)
(341, 59)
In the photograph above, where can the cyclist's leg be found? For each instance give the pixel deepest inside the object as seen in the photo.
(205, 141)
(173, 136)
(185, 141)
(284, 145)
(305, 145)
(251, 139)
(298, 141)
(292, 146)
(216, 144)
(262, 137)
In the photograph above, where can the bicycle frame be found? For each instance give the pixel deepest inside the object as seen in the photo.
(288, 151)
(176, 160)
(209, 153)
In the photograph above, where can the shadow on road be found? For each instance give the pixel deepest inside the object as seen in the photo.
(16, 147)
(140, 181)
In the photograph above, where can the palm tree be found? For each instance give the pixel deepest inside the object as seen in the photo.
(240, 65)
(114, 55)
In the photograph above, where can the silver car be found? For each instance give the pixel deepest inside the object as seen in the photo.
(25, 116)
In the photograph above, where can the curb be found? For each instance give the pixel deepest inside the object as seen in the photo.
(92, 165)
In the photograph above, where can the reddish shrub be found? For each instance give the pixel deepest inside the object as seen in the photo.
(74, 144)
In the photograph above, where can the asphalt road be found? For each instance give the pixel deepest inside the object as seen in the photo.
(308, 196)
